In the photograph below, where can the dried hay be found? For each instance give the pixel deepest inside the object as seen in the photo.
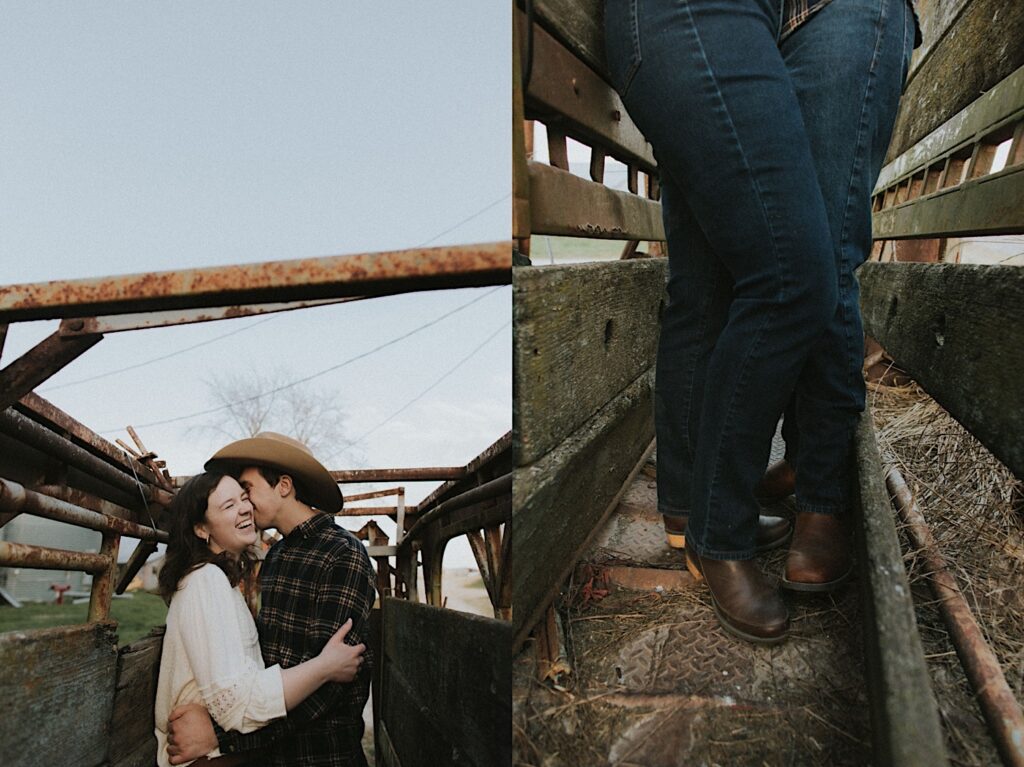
(972, 504)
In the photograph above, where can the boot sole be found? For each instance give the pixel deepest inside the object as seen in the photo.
(816, 588)
(724, 622)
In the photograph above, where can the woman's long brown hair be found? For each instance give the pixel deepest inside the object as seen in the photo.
(185, 550)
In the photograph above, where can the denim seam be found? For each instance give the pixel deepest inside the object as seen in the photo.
(854, 370)
(744, 367)
(634, 19)
(691, 448)
(668, 510)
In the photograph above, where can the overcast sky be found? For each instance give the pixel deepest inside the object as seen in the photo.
(153, 136)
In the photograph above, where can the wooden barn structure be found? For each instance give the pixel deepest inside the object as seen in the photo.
(584, 350)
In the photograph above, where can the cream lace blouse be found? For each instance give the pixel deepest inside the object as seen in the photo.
(211, 655)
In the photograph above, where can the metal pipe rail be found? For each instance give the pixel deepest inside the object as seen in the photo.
(42, 558)
(15, 498)
(34, 435)
(307, 279)
(496, 487)
(995, 698)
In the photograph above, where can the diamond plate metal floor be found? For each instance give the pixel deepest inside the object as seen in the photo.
(657, 682)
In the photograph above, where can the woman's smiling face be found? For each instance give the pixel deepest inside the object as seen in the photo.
(229, 524)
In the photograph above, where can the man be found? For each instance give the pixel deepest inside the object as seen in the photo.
(312, 580)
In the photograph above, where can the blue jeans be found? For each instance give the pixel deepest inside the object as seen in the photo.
(767, 152)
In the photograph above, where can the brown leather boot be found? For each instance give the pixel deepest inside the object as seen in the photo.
(772, 532)
(746, 604)
(777, 484)
(819, 555)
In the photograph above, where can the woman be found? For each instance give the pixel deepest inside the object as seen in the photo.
(211, 652)
(769, 120)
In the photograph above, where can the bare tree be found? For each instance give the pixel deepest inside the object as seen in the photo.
(255, 401)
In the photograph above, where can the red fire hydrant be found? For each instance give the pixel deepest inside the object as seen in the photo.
(60, 588)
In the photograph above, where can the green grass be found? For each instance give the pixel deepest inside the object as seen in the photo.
(135, 616)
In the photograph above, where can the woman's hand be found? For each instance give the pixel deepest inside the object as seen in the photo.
(341, 662)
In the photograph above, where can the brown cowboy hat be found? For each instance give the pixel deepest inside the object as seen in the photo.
(288, 456)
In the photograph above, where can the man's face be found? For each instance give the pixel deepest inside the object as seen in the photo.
(265, 500)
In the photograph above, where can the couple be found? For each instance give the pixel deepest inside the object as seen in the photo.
(294, 693)
(770, 120)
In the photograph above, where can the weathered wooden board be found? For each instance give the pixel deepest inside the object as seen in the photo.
(131, 723)
(958, 329)
(564, 204)
(520, 177)
(1003, 104)
(988, 205)
(984, 44)
(143, 756)
(560, 501)
(936, 16)
(446, 686)
(905, 720)
(579, 25)
(565, 92)
(582, 333)
(58, 691)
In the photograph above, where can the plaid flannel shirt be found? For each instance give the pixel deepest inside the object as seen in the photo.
(796, 12)
(312, 581)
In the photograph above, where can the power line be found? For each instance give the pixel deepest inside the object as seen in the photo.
(163, 357)
(432, 386)
(325, 371)
(467, 219)
(156, 359)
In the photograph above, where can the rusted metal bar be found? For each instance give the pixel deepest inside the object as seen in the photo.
(995, 697)
(425, 474)
(497, 454)
(476, 544)
(408, 572)
(504, 581)
(477, 516)
(15, 498)
(377, 537)
(35, 435)
(122, 322)
(374, 494)
(134, 564)
(549, 648)
(127, 448)
(373, 511)
(86, 500)
(51, 414)
(42, 558)
(496, 487)
(103, 583)
(400, 517)
(367, 274)
(3, 337)
(39, 363)
(492, 545)
(431, 557)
